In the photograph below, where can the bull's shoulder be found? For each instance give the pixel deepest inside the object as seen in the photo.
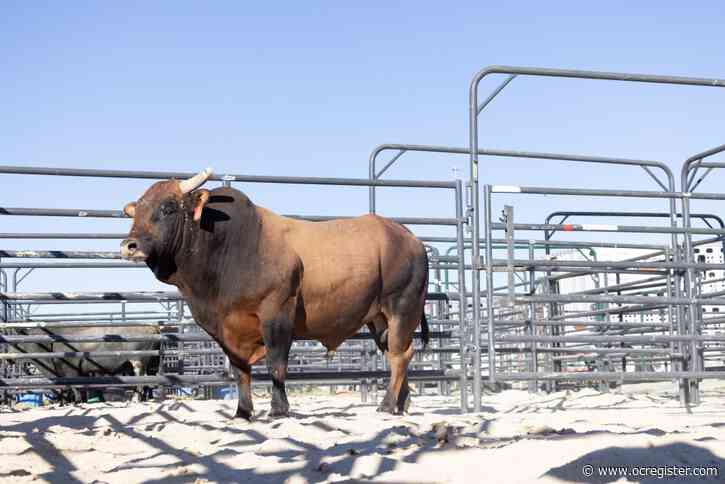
(276, 231)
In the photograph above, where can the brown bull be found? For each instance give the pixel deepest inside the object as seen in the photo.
(255, 280)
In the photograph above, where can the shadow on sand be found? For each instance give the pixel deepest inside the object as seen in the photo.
(380, 452)
(606, 465)
(315, 462)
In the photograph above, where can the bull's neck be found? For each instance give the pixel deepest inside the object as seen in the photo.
(218, 258)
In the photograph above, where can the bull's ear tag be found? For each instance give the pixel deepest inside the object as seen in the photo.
(130, 210)
(200, 198)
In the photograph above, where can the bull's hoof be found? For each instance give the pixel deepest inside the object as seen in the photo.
(244, 413)
(406, 405)
(389, 409)
(278, 413)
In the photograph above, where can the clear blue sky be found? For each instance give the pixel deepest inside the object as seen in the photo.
(310, 88)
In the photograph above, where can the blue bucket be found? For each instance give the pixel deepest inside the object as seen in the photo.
(31, 399)
(226, 393)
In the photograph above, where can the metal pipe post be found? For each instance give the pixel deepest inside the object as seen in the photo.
(464, 329)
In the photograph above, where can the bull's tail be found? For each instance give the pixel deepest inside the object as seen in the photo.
(424, 330)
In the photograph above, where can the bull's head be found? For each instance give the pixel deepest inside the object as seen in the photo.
(160, 218)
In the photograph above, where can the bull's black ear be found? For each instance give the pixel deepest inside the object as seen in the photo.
(130, 210)
(199, 197)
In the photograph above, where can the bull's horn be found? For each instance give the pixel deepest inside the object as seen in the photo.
(195, 181)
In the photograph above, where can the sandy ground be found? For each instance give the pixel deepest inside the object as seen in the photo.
(517, 438)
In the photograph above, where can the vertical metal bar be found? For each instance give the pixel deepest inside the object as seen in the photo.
(4, 364)
(364, 381)
(437, 312)
(687, 176)
(509, 237)
(462, 300)
(374, 367)
(4, 287)
(549, 330)
(489, 286)
(475, 243)
(670, 316)
(692, 308)
(371, 176)
(676, 286)
(620, 316)
(14, 288)
(605, 362)
(509, 215)
(607, 315)
(531, 327)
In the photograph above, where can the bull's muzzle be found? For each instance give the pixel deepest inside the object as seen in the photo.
(130, 250)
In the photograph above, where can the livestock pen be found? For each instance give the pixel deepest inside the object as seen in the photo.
(503, 307)
(187, 356)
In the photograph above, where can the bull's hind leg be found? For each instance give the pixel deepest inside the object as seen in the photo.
(378, 327)
(401, 327)
(395, 400)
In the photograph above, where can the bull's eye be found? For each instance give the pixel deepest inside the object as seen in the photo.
(168, 208)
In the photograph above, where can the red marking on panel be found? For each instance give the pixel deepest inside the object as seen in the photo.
(568, 227)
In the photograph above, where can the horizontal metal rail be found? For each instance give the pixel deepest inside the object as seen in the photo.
(72, 265)
(610, 338)
(58, 212)
(525, 264)
(611, 310)
(162, 338)
(644, 283)
(62, 235)
(655, 300)
(540, 243)
(125, 296)
(305, 352)
(187, 380)
(80, 354)
(160, 321)
(511, 189)
(625, 377)
(589, 323)
(534, 155)
(610, 228)
(59, 254)
(594, 75)
(160, 175)
(93, 296)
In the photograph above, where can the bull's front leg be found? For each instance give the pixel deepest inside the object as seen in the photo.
(277, 334)
(247, 355)
(245, 407)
